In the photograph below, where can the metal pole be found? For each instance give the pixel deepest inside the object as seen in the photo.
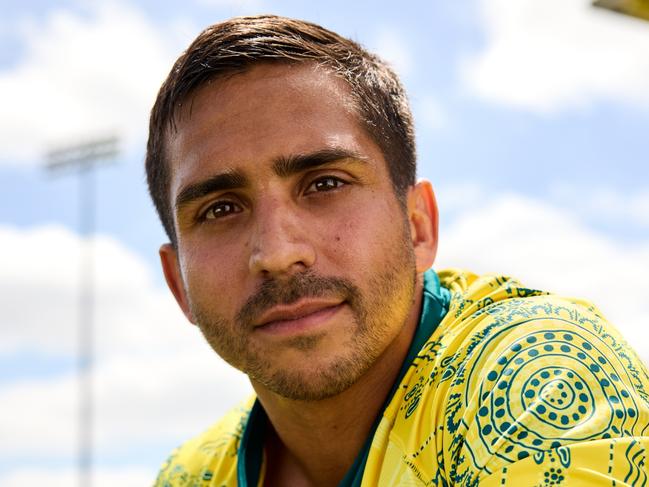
(86, 326)
(83, 158)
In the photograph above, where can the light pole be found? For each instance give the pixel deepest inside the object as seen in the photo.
(82, 159)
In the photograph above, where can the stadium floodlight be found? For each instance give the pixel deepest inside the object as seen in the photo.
(84, 155)
(82, 159)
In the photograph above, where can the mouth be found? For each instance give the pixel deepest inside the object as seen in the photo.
(302, 316)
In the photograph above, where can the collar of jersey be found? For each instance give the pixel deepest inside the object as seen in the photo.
(435, 304)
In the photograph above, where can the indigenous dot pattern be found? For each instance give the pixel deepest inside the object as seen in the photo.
(560, 397)
(535, 375)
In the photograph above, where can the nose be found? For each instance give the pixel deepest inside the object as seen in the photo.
(280, 243)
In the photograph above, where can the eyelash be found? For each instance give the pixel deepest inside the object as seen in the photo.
(208, 214)
(219, 204)
(338, 183)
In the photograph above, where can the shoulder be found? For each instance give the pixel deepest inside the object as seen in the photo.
(210, 455)
(513, 372)
(497, 316)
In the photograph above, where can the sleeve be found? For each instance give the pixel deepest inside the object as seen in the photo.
(551, 395)
(210, 459)
(598, 463)
(195, 464)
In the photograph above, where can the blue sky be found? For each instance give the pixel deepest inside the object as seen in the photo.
(531, 123)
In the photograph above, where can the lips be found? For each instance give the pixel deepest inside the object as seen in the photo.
(301, 313)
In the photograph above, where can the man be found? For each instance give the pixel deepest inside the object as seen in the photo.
(281, 160)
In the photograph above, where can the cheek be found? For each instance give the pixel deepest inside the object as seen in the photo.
(360, 239)
(213, 276)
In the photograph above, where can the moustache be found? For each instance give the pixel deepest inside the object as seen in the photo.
(275, 292)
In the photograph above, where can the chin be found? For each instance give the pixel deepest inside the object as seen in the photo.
(315, 386)
(311, 379)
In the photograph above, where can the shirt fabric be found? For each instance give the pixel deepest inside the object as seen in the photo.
(502, 386)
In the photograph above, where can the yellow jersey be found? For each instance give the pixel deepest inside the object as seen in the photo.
(503, 386)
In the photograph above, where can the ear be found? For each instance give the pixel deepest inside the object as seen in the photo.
(424, 223)
(173, 276)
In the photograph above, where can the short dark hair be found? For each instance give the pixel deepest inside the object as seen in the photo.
(232, 46)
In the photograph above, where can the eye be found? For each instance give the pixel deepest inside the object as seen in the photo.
(221, 209)
(326, 183)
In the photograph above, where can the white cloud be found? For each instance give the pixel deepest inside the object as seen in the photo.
(245, 5)
(458, 197)
(604, 204)
(550, 249)
(103, 477)
(82, 77)
(393, 48)
(141, 400)
(429, 112)
(155, 380)
(39, 292)
(550, 55)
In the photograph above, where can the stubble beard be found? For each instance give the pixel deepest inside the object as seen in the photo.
(388, 301)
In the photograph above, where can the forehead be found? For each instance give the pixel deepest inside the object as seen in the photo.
(267, 112)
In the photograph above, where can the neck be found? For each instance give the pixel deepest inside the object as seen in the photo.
(314, 443)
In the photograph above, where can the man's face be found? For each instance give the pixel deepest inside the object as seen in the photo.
(294, 255)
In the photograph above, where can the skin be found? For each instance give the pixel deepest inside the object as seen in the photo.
(295, 257)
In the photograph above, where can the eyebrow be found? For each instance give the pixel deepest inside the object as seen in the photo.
(287, 166)
(282, 166)
(220, 182)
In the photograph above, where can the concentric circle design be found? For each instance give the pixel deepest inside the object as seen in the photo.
(558, 382)
(557, 396)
